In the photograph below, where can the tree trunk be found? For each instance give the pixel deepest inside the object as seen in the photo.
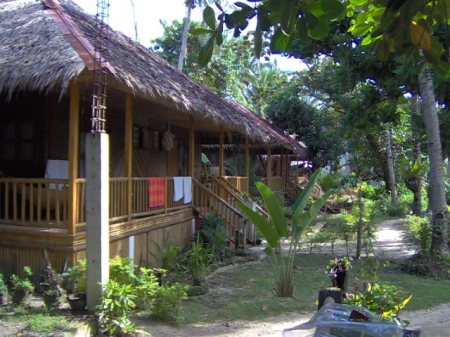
(184, 37)
(415, 183)
(360, 224)
(390, 162)
(439, 241)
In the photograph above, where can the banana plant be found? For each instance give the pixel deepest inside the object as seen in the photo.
(275, 229)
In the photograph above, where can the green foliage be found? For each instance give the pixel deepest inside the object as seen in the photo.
(122, 270)
(167, 300)
(275, 229)
(3, 284)
(418, 232)
(221, 74)
(168, 255)
(291, 109)
(339, 264)
(214, 235)
(76, 277)
(146, 285)
(45, 323)
(198, 257)
(116, 301)
(22, 283)
(424, 265)
(382, 298)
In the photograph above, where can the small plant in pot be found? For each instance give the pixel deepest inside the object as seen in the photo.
(21, 286)
(338, 269)
(3, 291)
(76, 285)
(52, 288)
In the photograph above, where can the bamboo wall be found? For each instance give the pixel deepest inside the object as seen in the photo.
(14, 257)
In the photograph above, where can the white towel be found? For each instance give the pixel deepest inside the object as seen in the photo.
(178, 187)
(187, 188)
(57, 169)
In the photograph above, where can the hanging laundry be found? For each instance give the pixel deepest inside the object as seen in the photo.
(178, 183)
(187, 189)
(157, 191)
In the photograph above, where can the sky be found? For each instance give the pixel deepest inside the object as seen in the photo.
(147, 15)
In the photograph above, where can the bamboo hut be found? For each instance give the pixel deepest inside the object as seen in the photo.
(157, 118)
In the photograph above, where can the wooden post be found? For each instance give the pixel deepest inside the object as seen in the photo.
(269, 167)
(128, 164)
(191, 146)
(221, 141)
(74, 131)
(247, 163)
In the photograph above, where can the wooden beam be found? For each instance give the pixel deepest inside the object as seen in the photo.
(221, 141)
(128, 164)
(247, 162)
(269, 167)
(191, 146)
(74, 140)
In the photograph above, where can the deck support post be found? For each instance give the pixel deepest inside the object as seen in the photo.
(221, 141)
(128, 165)
(191, 147)
(269, 167)
(97, 215)
(74, 131)
(247, 163)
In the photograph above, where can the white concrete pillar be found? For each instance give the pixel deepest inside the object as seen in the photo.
(97, 215)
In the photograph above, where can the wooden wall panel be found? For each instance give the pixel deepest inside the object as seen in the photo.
(13, 259)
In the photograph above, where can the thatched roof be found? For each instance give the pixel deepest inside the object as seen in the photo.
(45, 44)
(277, 137)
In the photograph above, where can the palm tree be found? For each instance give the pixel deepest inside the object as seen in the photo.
(190, 5)
(258, 79)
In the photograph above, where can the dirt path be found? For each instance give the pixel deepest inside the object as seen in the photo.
(388, 244)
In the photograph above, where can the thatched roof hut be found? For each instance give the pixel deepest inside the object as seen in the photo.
(46, 44)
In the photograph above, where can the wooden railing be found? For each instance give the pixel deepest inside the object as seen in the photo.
(44, 202)
(34, 202)
(205, 201)
(118, 209)
(292, 189)
(232, 195)
(241, 183)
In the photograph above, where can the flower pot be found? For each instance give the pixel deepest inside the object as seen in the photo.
(19, 297)
(77, 302)
(51, 300)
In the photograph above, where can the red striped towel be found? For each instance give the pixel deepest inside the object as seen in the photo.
(157, 191)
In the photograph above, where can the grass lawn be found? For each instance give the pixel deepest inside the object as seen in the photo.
(242, 293)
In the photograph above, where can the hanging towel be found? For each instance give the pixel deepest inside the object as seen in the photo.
(187, 189)
(157, 191)
(57, 169)
(178, 187)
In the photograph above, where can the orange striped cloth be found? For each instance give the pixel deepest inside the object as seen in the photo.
(157, 191)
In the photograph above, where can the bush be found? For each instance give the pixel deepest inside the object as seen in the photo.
(214, 235)
(418, 232)
(167, 301)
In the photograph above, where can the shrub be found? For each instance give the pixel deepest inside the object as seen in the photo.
(213, 235)
(116, 302)
(418, 232)
(167, 300)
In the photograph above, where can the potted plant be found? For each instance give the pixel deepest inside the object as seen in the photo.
(21, 286)
(52, 287)
(3, 290)
(76, 285)
(337, 269)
